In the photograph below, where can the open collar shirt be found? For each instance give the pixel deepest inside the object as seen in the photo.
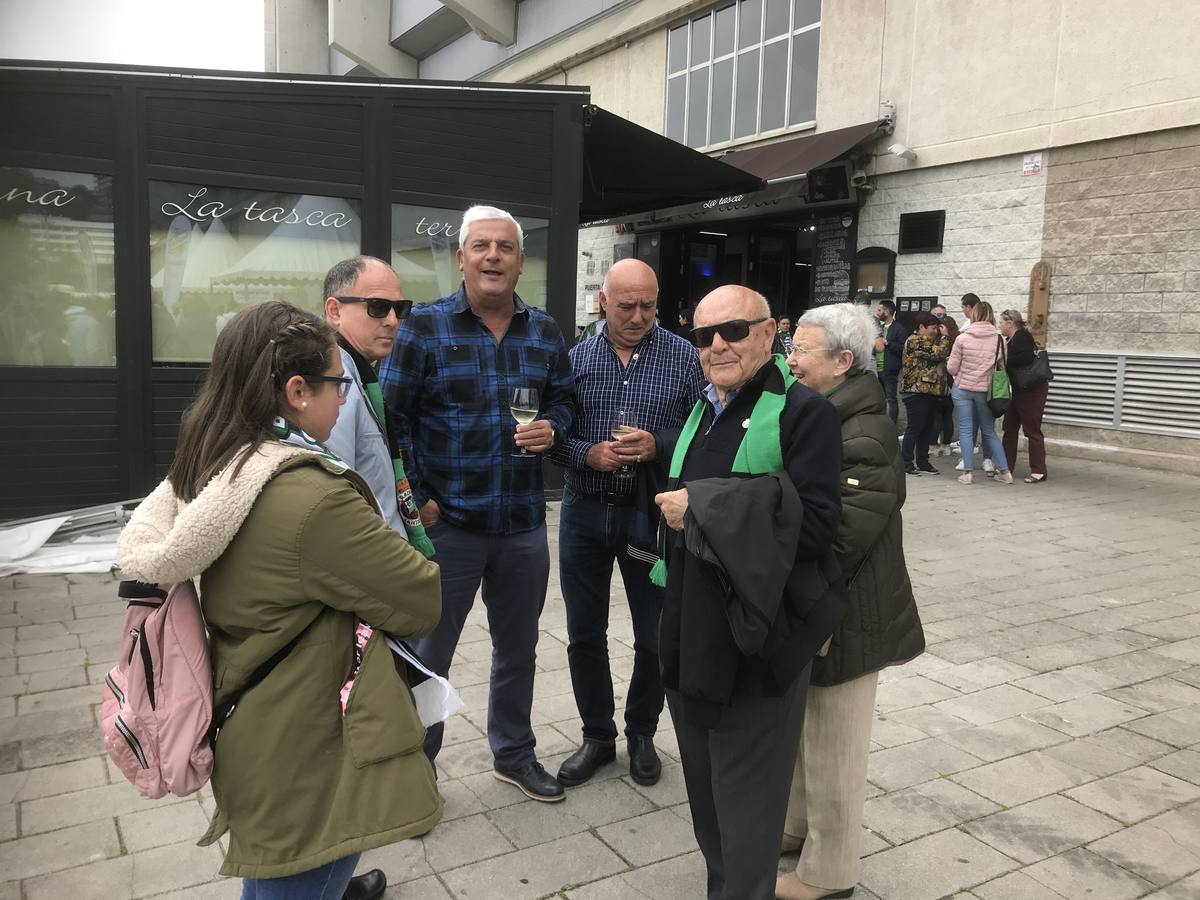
(659, 387)
(449, 382)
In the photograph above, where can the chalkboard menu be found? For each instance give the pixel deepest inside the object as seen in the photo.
(833, 251)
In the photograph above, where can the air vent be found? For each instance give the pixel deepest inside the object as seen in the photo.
(1084, 390)
(922, 232)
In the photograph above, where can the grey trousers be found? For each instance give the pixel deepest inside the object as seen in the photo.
(737, 775)
(514, 570)
(829, 785)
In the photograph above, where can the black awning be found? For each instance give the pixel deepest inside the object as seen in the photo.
(799, 155)
(629, 169)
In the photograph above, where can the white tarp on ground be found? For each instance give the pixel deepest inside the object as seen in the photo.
(25, 550)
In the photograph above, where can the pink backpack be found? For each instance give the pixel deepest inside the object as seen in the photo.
(157, 701)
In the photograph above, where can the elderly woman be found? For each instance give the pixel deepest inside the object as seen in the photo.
(831, 353)
(923, 382)
(1028, 404)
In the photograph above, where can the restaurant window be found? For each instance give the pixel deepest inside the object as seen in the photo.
(56, 268)
(216, 250)
(743, 69)
(424, 253)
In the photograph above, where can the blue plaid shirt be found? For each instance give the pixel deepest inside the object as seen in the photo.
(449, 383)
(660, 386)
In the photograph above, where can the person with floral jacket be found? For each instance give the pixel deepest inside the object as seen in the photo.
(923, 381)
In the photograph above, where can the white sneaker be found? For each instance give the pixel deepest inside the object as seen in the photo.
(960, 467)
(964, 478)
(989, 466)
(955, 447)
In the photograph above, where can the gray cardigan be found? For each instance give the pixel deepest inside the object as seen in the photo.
(360, 441)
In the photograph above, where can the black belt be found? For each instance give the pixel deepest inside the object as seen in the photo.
(610, 499)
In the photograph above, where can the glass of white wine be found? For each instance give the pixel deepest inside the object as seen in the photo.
(623, 423)
(524, 405)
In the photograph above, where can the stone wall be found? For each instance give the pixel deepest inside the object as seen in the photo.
(1122, 234)
(993, 232)
(596, 249)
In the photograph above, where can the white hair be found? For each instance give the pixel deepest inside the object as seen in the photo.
(847, 326)
(488, 213)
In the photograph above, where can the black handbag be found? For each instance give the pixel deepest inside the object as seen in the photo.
(1037, 372)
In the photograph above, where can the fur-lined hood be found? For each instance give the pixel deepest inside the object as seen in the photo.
(168, 540)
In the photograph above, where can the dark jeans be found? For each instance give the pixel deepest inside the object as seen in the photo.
(1025, 411)
(941, 425)
(921, 411)
(738, 775)
(513, 569)
(327, 882)
(591, 534)
(890, 381)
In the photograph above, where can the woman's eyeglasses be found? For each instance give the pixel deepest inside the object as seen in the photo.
(378, 307)
(731, 332)
(343, 382)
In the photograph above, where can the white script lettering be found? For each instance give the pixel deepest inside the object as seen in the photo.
(213, 209)
(56, 197)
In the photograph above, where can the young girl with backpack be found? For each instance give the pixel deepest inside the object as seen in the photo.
(321, 759)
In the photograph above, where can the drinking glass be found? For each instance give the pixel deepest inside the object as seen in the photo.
(623, 422)
(524, 405)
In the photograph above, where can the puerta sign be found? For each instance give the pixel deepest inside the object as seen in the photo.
(833, 253)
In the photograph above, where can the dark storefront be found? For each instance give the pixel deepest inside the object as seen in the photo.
(140, 209)
(793, 241)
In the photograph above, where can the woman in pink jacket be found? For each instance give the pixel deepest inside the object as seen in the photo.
(977, 353)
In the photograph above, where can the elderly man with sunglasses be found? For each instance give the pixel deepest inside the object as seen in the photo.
(752, 587)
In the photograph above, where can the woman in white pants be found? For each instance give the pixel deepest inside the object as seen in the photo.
(831, 353)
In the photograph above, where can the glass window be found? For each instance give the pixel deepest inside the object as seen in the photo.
(746, 108)
(425, 253)
(701, 38)
(765, 81)
(215, 250)
(677, 49)
(676, 106)
(56, 268)
(776, 20)
(774, 86)
(724, 21)
(802, 102)
(722, 101)
(750, 29)
(806, 13)
(698, 110)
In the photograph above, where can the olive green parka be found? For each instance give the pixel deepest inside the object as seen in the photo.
(882, 627)
(294, 546)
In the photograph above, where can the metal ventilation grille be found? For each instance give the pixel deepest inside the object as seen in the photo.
(1084, 390)
(1162, 394)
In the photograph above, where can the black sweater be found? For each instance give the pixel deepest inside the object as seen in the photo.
(699, 656)
(1021, 349)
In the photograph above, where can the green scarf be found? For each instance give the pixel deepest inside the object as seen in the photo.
(404, 495)
(759, 453)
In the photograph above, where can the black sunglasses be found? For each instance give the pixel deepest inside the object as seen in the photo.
(377, 307)
(731, 332)
(343, 382)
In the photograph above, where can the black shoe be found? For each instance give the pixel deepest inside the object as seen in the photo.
(644, 765)
(368, 886)
(912, 470)
(583, 763)
(928, 469)
(534, 781)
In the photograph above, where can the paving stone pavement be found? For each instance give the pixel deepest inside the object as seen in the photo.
(1047, 745)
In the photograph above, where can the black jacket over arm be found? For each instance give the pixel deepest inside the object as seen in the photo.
(700, 658)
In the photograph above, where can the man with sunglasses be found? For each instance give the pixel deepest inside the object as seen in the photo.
(364, 302)
(752, 587)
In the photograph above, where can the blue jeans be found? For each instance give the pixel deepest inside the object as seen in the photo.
(973, 411)
(513, 570)
(890, 382)
(591, 534)
(325, 883)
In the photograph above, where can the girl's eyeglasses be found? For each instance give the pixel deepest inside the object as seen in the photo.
(343, 382)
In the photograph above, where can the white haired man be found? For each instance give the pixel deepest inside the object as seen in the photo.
(450, 381)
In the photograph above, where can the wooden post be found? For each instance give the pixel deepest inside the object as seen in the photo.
(1039, 302)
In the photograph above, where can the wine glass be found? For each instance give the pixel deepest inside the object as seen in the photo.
(524, 405)
(623, 422)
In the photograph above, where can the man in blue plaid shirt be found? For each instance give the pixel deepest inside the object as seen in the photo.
(654, 377)
(450, 381)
